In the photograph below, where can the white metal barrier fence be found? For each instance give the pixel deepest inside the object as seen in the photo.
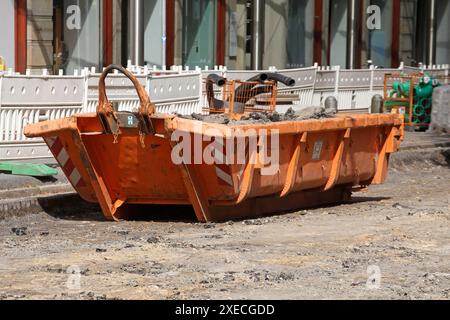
(28, 99)
(24, 100)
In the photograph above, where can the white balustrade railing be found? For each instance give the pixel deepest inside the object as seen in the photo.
(30, 98)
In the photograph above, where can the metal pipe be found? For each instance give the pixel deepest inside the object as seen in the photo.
(432, 32)
(136, 31)
(211, 80)
(352, 10)
(248, 90)
(287, 81)
(164, 32)
(257, 34)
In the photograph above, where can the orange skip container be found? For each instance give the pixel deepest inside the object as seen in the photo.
(120, 159)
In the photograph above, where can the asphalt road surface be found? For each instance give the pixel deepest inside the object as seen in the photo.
(391, 242)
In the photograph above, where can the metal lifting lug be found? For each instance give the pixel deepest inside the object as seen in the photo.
(112, 120)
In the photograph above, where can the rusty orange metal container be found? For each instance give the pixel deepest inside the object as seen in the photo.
(122, 159)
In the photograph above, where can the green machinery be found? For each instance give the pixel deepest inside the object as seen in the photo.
(422, 98)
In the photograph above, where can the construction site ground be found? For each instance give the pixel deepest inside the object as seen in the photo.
(392, 242)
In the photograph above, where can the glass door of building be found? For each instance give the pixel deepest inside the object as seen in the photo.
(199, 30)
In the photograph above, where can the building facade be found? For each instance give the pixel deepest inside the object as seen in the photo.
(241, 34)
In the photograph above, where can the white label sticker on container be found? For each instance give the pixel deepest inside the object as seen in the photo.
(317, 150)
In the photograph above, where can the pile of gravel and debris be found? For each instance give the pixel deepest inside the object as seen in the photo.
(309, 113)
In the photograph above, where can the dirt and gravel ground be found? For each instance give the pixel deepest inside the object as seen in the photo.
(392, 242)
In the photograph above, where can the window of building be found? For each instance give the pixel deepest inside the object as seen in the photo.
(154, 21)
(408, 22)
(199, 32)
(78, 36)
(288, 33)
(380, 40)
(442, 31)
(338, 32)
(7, 30)
(299, 43)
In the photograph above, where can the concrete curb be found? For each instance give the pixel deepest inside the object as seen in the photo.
(63, 203)
(426, 146)
(23, 206)
(437, 156)
(35, 191)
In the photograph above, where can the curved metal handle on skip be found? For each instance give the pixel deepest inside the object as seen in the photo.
(106, 111)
